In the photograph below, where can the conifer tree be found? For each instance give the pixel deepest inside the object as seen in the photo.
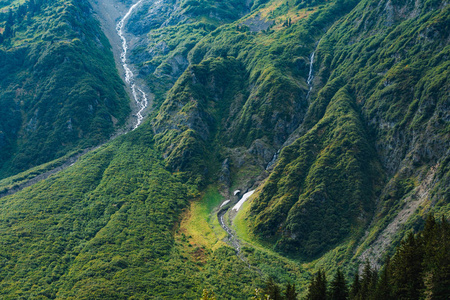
(407, 269)
(356, 287)
(436, 258)
(384, 289)
(338, 287)
(290, 293)
(318, 287)
(272, 289)
(368, 282)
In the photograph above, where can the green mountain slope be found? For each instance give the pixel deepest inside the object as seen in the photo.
(343, 165)
(109, 233)
(59, 85)
(387, 70)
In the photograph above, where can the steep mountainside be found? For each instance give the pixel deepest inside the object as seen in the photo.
(334, 113)
(376, 131)
(59, 85)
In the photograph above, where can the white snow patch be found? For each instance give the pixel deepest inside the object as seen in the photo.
(225, 203)
(237, 192)
(243, 199)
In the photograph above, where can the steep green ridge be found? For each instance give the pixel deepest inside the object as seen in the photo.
(243, 95)
(59, 86)
(381, 73)
(323, 186)
(172, 29)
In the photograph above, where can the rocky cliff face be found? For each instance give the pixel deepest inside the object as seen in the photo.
(374, 125)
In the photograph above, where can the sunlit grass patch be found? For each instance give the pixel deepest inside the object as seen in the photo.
(200, 225)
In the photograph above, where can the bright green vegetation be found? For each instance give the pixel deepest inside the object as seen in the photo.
(200, 223)
(59, 88)
(116, 219)
(364, 156)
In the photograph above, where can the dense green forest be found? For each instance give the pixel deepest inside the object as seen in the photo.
(335, 113)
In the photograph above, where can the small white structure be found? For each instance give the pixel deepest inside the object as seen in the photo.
(225, 203)
(243, 199)
(237, 192)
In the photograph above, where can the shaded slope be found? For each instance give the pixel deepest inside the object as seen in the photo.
(322, 188)
(59, 86)
(243, 95)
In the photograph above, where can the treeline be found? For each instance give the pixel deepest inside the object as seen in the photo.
(419, 269)
(271, 291)
(13, 18)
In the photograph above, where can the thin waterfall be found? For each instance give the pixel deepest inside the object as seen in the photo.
(309, 81)
(138, 94)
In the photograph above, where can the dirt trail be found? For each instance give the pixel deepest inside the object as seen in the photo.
(70, 161)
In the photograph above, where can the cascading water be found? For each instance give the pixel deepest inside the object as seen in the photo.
(311, 74)
(138, 94)
(309, 81)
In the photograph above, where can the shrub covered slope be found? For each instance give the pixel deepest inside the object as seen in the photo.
(346, 163)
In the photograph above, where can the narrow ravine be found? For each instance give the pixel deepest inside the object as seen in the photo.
(309, 82)
(232, 237)
(138, 94)
(311, 74)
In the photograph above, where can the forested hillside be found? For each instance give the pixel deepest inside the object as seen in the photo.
(332, 115)
(59, 87)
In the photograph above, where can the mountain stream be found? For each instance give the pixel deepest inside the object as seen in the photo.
(138, 94)
(232, 237)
